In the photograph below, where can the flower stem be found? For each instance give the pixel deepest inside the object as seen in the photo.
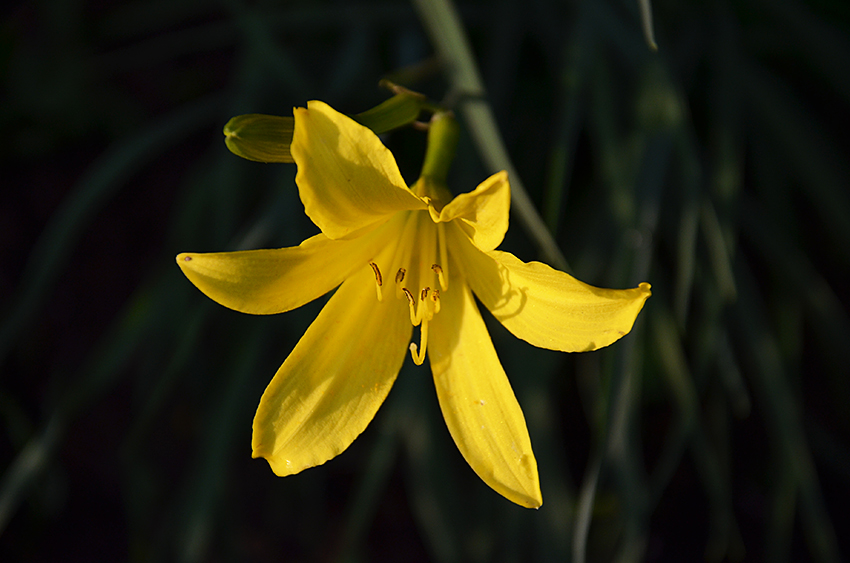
(442, 142)
(443, 24)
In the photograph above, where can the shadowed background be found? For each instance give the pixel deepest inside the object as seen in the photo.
(716, 169)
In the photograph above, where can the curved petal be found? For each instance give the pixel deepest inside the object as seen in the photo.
(347, 179)
(546, 307)
(263, 282)
(481, 213)
(337, 376)
(477, 401)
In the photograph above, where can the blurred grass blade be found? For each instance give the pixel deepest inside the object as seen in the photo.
(646, 23)
(679, 381)
(733, 381)
(814, 157)
(820, 43)
(434, 488)
(624, 452)
(443, 25)
(104, 178)
(27, 466)
(782, 253)
(688, 434)
(717, 252)
(784, 419)
(584, 510)
(105, 361)
(687, 255)
(782, 509)
(373, 479)
(206, 484)
(578, 50)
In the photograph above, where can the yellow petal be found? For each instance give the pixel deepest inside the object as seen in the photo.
(546, 307)
(483, 212)
(348, 180)
(264, 282)
(477, 401)
(329, 388)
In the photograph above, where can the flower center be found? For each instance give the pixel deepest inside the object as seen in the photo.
(419, 264)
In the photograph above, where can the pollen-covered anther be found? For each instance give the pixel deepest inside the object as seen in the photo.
(435, 297)
(441, 277)
(379, 280)
(409, 295)
(399, 277)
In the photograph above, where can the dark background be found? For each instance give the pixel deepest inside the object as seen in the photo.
(716, 169)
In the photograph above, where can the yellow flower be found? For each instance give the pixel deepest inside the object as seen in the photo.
(403, 257)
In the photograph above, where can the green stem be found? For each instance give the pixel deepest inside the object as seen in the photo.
(443, 24)
(442, 141)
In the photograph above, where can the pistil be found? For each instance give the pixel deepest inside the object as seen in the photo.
(443, 272)
(440, 275)
(418, 264)
(418, 353)
(411, 301)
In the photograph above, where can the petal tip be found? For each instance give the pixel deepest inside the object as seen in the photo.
(279, 465)
(281, 468)
(532, 498)
(183, 259)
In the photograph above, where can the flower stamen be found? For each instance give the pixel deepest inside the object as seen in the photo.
(443, 272)
(426, 310)
(379, 280)
(440, 276)
(411, 301)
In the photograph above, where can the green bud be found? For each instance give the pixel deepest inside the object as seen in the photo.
(266, 138)
(258, 137)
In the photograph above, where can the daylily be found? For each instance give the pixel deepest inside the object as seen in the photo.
(402, 257)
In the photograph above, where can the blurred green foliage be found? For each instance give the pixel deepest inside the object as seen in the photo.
(715, 168)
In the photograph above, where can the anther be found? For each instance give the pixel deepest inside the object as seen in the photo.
(379, 280)
(440, 276)
(409, 295)
(424, 294)
(435, 297)
(399, 277)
